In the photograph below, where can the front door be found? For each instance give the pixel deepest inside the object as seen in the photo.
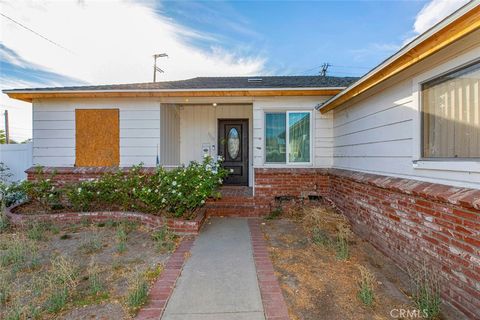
(233, 147)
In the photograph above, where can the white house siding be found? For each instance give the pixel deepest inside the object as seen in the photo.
(54, 129)
(199, 126)
(169, 134)
(381, 133)
(321, 129)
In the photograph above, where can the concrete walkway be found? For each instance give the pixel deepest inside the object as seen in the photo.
(219, 280)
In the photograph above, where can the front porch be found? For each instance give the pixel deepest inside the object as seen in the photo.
(190, 131)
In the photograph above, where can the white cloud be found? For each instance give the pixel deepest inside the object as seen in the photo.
(113, 42)
(435, 11)
(107, 42)
(431, 14)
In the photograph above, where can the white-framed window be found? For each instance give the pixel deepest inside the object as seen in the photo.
(288, 137)
(450, 115)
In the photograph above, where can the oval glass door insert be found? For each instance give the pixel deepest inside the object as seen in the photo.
(233, 143)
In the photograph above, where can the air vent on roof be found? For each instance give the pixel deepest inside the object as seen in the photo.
(255, 80)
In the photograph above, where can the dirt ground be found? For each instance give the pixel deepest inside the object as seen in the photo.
(84, 247)
(317, 285)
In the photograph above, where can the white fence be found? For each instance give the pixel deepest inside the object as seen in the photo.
(17, 157)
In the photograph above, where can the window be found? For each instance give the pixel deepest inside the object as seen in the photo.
(287, 137)
(451, 115)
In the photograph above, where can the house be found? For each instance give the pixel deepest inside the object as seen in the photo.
(398, 150)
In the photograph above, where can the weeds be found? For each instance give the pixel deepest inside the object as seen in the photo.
(4, 223)
(95, 284)
(137, 292)
(91, 244)
(57, 300)
(274, 214)
(164, 239)
(343, 235)
(5, 285)
(121, 235)
(366, 285)
(61, 279)
(426, 290)
(152, 273)
(19, 253)
(320, 237)
(63, 272)
(36, 231)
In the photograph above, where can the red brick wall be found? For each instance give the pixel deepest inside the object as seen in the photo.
(299, 183)
(63, 175)
(411, 221)
(408, 220)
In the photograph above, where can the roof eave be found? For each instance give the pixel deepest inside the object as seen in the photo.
(456, 26)
(29, 95)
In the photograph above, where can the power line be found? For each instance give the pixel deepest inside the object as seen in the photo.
(33, 31)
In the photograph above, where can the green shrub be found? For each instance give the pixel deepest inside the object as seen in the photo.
(42, 191)
(10, 192)
(81, 195)
(178, 192)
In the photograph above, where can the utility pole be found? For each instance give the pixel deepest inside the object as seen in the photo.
(324, 70)
(155, 68)
(7, 129)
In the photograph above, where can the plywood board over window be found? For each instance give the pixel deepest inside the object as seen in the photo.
(97, 137)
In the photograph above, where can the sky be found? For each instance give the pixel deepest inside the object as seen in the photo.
(60, 43)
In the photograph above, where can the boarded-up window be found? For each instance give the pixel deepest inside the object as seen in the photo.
(97, 137)
(451, 114)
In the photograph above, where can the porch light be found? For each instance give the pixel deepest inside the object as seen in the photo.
(214, 104)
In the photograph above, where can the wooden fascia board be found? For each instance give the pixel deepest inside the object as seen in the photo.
(459, 28)
(29, 96)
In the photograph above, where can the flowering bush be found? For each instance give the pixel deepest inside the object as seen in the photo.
(42, 191)
(176, 192)
(182, 190)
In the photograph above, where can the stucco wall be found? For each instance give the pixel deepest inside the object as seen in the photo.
(381, 133)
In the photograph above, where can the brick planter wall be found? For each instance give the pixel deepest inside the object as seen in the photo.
(408, 220)
(74, 174)
(178, 226)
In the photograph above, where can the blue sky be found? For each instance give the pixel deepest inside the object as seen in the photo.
(297, 37)
(61, 43)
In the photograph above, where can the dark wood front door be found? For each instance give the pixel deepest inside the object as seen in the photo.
(233, 147)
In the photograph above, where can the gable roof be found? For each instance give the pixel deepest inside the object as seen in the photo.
(454, 27)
